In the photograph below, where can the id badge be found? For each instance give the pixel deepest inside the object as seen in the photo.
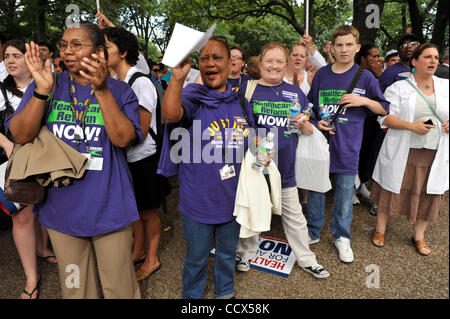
(94, 163)
(227, 172)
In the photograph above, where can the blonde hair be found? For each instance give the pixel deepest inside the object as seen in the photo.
(345, 30)
(273, 45)
(297, 44)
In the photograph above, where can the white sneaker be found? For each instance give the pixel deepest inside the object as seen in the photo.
(243, 265)
(317, 271)
(345, 251)
(355, 199)
(364, 192)
(313, 241)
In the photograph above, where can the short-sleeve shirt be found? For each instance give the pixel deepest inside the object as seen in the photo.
(102, 201)
(148, 99)
(271, 108)
(390, 75)
(327, 88)
(209, 115)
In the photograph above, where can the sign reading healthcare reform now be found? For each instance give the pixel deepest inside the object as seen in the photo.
(274, 255)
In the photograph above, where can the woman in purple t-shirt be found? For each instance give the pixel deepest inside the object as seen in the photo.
(271, 102)
(97, 209)
(208, 175)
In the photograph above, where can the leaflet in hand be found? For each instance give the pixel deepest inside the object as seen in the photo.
(183, 42)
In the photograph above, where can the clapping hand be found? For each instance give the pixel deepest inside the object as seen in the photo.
(42, 75)
(95, 70)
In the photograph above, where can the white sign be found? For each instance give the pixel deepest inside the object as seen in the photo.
(183, 42)
(274, 256)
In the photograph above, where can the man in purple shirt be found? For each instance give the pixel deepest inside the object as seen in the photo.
(328, 91)
(405, 48)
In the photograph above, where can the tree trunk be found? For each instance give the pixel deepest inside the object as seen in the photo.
(440, 24)
(42, 22)
(367, 32)
(416, 20)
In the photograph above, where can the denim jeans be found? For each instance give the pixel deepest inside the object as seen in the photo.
(342, 209)
(198, 238)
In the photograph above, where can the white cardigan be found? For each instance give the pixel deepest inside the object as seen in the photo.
(391, 163)
(254, 205)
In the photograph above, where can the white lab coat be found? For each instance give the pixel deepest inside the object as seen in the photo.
(391, 163)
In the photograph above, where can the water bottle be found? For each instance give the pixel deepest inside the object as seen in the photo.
(307, 111)
(325, 115)
(262, 152)
(294, 111)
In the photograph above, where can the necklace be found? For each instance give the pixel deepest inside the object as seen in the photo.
(275, 91)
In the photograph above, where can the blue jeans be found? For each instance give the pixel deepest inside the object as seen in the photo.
(342, 209)
(198, 238)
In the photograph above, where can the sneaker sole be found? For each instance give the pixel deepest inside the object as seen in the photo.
(315, 275)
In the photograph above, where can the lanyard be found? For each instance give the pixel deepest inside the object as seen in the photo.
(74, 103)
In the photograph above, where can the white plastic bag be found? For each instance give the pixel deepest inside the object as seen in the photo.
(312, 162)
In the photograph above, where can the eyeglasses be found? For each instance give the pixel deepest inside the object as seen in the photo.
(155, 70)
(237, 57)
(412, 44)
(75, 45)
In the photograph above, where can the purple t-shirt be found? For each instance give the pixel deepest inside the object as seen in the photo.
(208, 116)
(327, 88)
(102, 201)
(270, 105)
(237, 83)
(390, 75)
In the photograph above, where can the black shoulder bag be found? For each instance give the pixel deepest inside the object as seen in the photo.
(3, 117)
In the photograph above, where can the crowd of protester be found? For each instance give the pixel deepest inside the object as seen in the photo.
(389, 146)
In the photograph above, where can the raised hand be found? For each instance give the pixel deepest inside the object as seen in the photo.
(103, 21)
(181, 71)
(41, 75)
(96, 70)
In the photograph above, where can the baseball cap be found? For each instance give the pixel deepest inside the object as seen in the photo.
(390, 54)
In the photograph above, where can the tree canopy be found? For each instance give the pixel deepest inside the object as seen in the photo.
(247, 23)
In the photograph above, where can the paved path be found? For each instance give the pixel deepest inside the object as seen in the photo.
(403, 273)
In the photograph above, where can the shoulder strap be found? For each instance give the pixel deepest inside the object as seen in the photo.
(134, 77)
(425, 99)
(8, 105)
(350, 89)
(251, 86)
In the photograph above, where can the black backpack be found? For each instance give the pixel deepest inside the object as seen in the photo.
(158, 136)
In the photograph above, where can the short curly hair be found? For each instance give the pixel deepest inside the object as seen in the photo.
(125, 41)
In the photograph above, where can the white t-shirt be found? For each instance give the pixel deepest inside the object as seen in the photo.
(148, 99)
(14, 100)
(304, 86)
(3, 72)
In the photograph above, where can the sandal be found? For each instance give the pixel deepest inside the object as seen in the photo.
(377, 236)
(30, 294)
(47, 258)
(420, 245)
(142, 274)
